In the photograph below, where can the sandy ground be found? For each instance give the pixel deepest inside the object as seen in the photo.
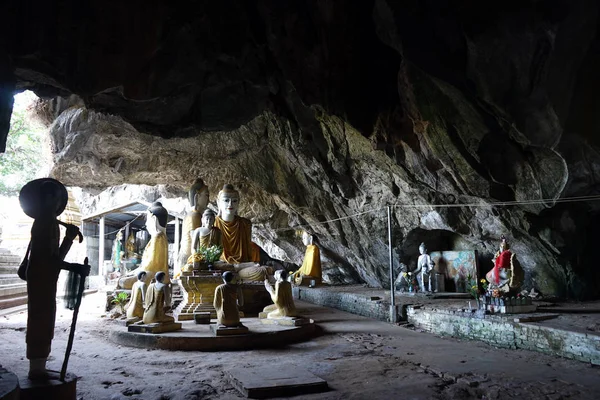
(360, 358)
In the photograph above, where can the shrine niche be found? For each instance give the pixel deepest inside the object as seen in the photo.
(455, 267)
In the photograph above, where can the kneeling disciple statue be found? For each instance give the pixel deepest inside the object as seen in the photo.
(227, 298)
(158, 300)
(283, 301)
(135, 308)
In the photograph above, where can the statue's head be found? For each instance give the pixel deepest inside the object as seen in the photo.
(198, 195)
(43, 197)
(307, 238)
(228, 276)
(504, 244)
(228, 201)
(208, 218)
(422, 248)
(281, 274)
(160, 277)
(161, 213)
(142, 275)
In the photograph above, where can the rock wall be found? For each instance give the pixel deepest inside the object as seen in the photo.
(330, 111)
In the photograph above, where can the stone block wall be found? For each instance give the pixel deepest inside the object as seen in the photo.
(349, 302)
(502, 332)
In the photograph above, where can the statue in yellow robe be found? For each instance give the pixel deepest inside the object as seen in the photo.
(135, 307)
(227, 298)
(311, 266)
(283, 301)
(157, 301)
(236, 231)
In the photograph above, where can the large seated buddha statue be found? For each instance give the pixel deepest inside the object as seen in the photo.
(236, 231)
(198, 199)
(311, 266)
(507, 274)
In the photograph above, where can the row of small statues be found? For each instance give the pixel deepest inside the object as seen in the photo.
(150, 303)
(506, 276)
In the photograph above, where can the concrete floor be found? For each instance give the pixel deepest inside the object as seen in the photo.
(359, 357)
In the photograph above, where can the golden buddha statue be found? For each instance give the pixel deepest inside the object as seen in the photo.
(207, 235)
(198, 199)
(283, 301)
(236, 231)
(227, 298)
(158, 300)
(130, 246)
(135, 307)
(156, 254)
(311, 266)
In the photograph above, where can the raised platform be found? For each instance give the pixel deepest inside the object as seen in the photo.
(200, 338)
(154, 328)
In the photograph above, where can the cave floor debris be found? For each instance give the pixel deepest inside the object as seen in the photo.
(358, 357)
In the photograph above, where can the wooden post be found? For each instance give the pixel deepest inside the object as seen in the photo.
(101, 270)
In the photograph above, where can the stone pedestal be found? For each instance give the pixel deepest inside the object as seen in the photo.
(228, 331)
(52, 389)
(9, 385)
(267, 381)
(155, 328)
(202, 318)
(286, 321)
(198, 294)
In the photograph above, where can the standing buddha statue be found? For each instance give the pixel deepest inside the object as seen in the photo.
(198, 201)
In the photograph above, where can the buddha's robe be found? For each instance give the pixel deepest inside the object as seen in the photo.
(253, 273)
(135, 307)
(283, 301)
(311, 266)
(214, 238)
(237, 240)
(226, 304)
(156, 257)
(191, 222)
(154, 307)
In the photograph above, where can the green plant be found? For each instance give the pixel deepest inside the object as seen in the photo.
(473, 286)
(211, 254)
(120, 300)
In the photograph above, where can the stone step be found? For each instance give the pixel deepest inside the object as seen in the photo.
(8, 269)
(13, 289)
(9, 259)
(14, 301)
(10, 278)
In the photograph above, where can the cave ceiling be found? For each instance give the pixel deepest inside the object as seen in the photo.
(319, 110)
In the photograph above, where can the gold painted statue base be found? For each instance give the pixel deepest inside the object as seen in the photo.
(154, 328)
(286, 321)
(228, 331)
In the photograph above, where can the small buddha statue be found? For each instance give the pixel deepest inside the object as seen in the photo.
(507, 274)
(311, 266)
(424, 267)
(116, 253)
(44, 200)
(227, 298)
(135, 307)
(283, 301)
(198, 201)
(157, 302)
(130, 246)
(236, 231)
(207, 235)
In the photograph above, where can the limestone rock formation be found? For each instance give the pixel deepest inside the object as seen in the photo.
(330, 111)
